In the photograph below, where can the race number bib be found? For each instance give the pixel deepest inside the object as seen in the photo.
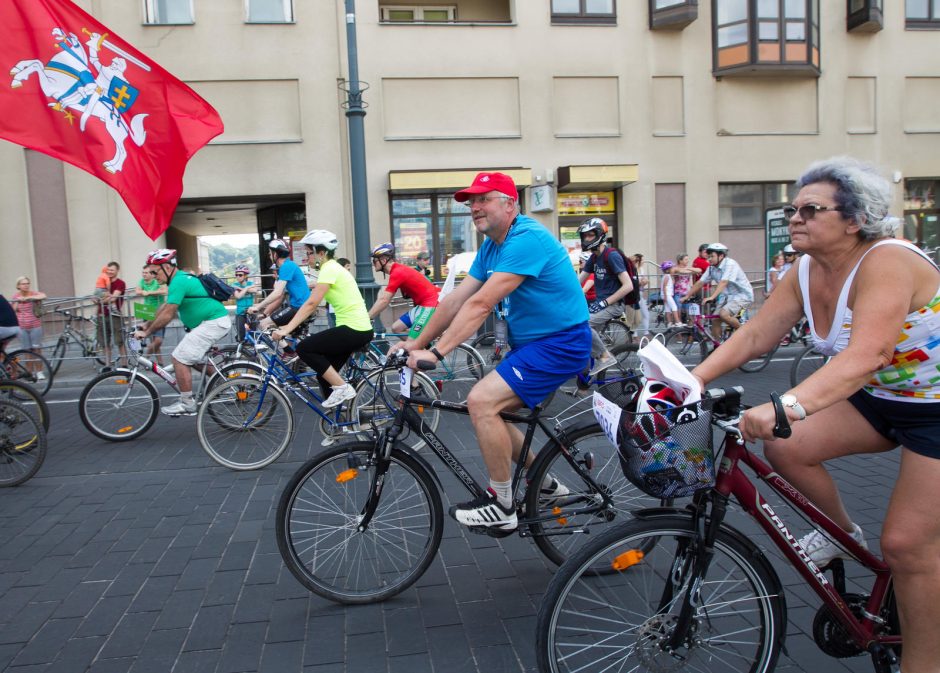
(404, 378)
(694, 309)
(608, 416)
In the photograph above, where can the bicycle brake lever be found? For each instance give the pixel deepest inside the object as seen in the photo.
(782, 427)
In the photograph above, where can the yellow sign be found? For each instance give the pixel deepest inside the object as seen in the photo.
(585, 203)
(414, 237)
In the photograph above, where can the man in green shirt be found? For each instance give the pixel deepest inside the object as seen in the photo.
(206, 319)
(154, 295)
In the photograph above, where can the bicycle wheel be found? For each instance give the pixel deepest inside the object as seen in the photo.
(621, 382)
(318, 519)
(622, 620)
(22, 444)
(244, 424)
(759, 362)
(687, 346)
(805, 364)
(58, 354)
(372, 409)
(589, 447)
(614, 333)
(233, 370)
(458, 372)
(26, 366)
(29, 397)
(118, 405)
(485, 345)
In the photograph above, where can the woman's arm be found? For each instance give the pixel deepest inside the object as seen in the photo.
(306, 309)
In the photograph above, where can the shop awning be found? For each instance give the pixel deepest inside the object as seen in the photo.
(595, 178)
(410, 182)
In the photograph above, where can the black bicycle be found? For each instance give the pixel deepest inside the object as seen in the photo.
(362, 521)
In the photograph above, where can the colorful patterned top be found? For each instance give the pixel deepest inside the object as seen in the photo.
(914, 372)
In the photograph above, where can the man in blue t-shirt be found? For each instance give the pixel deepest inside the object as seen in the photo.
(291, 283)
(526, 271)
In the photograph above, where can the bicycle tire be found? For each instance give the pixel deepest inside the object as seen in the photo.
(138, 399)
(485, 344)
(232, 370)
(805, 364)
(29, 397)
(369, 409)
(687, 346)
(579, 621)
(758, 363)
(23, 444)
(580, 439)
(244, 424)
(614, 333)
(458, 372)
(320, 509)
(58, 354)
(26, 366)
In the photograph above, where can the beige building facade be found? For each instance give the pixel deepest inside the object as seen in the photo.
(677, 122)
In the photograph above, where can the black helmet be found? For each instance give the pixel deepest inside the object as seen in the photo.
(599, 227)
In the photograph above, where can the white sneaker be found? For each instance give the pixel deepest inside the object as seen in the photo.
(822, 550)
(40, 376)
(485, 512)
(551, 494)
(180, 409)
(328, 440)
(605, 362)
(339, 395)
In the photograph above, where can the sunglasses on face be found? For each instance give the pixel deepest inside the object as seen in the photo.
(807, 212)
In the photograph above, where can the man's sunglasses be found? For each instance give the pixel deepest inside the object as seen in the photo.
(806, 212)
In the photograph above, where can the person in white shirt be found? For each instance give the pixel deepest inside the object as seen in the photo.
(729, 282)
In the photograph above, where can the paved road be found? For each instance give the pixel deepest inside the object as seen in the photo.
(146, 556)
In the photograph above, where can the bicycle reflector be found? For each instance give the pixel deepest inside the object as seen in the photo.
(347, 475)
(627, 559)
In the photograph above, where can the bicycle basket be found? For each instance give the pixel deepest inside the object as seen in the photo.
(669, 453)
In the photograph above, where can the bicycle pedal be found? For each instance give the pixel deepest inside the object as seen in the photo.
(491, 532)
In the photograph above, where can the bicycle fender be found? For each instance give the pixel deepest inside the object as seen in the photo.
(404, 448)
(754, 552)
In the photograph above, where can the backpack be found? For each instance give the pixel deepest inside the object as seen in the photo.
(215, 287)
(633, 297)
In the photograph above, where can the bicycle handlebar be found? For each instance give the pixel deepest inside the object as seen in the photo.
(782, 427)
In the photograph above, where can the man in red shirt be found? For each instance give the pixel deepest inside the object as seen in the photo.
(413, 285)
(701, 263)
(110, 323)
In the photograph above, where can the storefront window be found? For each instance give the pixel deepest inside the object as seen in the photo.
(573, 208)
(742, 206)
(443, 230)
(922, 215)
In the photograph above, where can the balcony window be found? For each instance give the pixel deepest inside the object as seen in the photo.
(419, 14)
(766, 36)
(864, 16)
(672, 14)
(922, 14)
(168, 12)
(584, 11)
(269, 11)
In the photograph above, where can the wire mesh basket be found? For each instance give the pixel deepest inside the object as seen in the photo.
(668, 453)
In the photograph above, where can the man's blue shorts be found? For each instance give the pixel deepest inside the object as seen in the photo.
(536, 369)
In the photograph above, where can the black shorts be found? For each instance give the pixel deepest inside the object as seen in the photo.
(915, 425)
(283, 315)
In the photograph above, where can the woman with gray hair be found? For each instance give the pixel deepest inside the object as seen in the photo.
(871, 302)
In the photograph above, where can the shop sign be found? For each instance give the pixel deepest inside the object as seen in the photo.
(414, 237)
(298, 252)
(778, 234)
(542, 200)
(585, 203)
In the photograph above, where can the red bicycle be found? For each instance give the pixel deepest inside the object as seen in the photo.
(686, 591)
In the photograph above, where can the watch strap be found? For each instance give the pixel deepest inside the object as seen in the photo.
(436, 353)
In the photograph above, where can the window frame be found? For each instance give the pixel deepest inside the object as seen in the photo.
(150, 15)
(930, 23)
(450, 9)
(869, 18)
(289, 11)
(584, 17)
(762, 205)
(674, 17)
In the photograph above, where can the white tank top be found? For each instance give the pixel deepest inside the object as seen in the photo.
(912, 374)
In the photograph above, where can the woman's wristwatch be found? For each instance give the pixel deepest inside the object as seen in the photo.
(789, 401)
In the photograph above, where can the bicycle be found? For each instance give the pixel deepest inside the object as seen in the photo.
(805, 364)
(27, 396)
(247, 424)
(691, 343)
(22, 444)
(88, 345)
(121, 404)
(361, 522)
(25, 366)
(687, 590)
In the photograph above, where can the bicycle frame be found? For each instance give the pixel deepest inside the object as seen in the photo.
(731, 480)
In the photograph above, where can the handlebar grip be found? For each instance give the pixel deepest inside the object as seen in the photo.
(426, 365)
(782, 427)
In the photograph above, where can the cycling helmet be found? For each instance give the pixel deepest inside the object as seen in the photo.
(383, 250)
(789, 250)
(320, 238)
(599, 227)
(717, 247)
(279, 247)
(241, 268)
(162, 256)
(668, 264)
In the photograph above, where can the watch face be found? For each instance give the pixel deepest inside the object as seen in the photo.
(788, 400)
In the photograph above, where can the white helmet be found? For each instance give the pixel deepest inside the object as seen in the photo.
(278, 245)
(720, 248)
(789, 249)
(320, 238)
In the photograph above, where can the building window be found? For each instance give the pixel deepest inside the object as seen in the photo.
(419, 14)
(269, 11)
(672, 14)
(922, 14)
(584, 11)
(742, 205)
(766, 36)
(864, 16)
(433, 223)
(163, 12)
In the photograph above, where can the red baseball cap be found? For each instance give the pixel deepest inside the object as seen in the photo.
(489, 182)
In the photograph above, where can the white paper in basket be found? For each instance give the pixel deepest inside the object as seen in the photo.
(661, 365)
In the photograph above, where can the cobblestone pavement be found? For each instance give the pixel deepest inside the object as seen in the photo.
(146, 556)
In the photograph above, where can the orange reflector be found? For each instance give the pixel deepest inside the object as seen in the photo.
(126, 428)
(347, 475)
(627, 559)
(420, 409)
(121, 382)
(561, 519)
(242, 395)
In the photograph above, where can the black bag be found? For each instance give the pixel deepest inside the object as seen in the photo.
(633, 297)
(215, 287)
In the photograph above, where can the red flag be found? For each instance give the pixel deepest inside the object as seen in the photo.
(83, 95)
